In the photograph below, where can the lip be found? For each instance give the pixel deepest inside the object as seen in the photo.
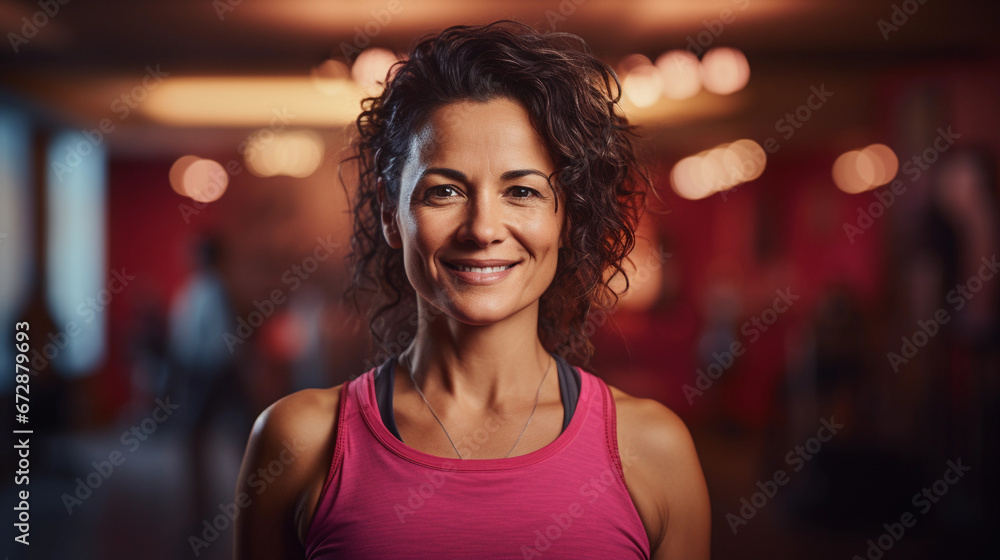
(480, 278)
(479, 263)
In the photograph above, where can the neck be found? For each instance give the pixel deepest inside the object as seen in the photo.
(480, 367)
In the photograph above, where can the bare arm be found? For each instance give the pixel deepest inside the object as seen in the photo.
(665, 479)
(283, 471)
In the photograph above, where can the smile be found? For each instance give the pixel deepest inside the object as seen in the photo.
(480, 269)
(481, 273)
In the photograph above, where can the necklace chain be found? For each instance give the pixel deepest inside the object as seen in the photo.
(538, 394)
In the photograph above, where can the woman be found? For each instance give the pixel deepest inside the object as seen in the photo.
(497, 188)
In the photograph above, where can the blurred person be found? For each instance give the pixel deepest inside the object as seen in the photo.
(961, 241)
(966, 201)
(204, 370)
(150, 367)
(498, 188)
(958, 252)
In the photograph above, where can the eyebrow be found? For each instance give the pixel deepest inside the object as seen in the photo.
(457, 175)
(518, 173)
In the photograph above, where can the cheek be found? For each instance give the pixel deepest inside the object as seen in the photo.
(422, 238)
(542, 235)
(549, 227)
(425, 232)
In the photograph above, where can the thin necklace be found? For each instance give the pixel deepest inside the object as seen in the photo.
(538, 393)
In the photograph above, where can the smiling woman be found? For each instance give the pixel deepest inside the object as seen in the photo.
(570, 100)
(480, 227)
(498, 187)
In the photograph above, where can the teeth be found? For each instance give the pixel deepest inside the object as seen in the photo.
(485, 270)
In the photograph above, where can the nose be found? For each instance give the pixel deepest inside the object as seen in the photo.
(483, 222)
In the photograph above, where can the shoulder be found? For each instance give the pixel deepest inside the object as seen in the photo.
(305, 416)
(299, 432)
(650, 425)
(664, 476)
(284, 468)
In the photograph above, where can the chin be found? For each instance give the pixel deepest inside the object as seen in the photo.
(477, 317)
(479, 312)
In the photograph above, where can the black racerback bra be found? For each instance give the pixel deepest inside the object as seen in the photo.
(569, 389)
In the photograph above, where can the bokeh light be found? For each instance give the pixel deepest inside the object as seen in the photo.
(681, 72)
(177, 171)
(295, 153)
(643, 82)
(725, 70)
(857, 171)
(372, 67)
(718, 169)
(205, 180)
(332, 78)
(888, 160)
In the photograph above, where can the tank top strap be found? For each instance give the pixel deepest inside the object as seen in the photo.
(611, 427)
(346, 414)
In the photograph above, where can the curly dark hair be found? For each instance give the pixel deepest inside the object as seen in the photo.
(571, 97)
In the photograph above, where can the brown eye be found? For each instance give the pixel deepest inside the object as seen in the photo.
(442, 191)
(524, 192)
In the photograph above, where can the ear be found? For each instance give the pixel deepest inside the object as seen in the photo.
(390, 226)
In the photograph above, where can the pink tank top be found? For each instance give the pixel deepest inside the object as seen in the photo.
(384, 499)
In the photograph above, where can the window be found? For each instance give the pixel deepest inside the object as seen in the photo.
(76, 251)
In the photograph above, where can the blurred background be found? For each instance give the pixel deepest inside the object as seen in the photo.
(815, 291)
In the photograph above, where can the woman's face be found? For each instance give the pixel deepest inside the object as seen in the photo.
(476, 218)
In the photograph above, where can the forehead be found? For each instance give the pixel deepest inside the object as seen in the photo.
(467, 132)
